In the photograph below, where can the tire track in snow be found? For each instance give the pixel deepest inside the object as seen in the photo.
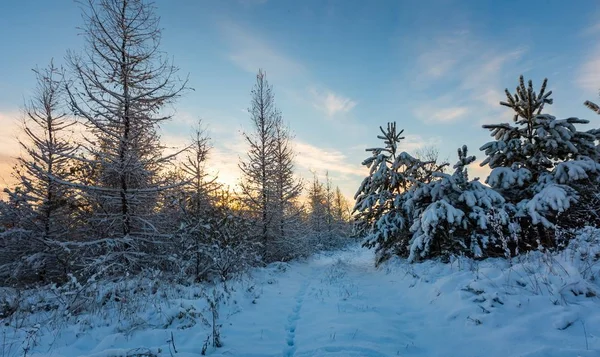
(294, 316)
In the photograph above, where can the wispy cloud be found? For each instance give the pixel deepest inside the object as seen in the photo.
(591, 29)
(484, 73)
(331, 103)
(413, 142)
(442, 55)
(252, 2)
(589, 73)
(311, 157)
(250, 52)
(441, 115)
(321, 159)
(467, 72)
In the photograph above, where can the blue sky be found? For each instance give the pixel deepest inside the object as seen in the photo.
(339, 69)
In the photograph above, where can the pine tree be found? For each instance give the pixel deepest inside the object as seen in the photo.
(538, 164)
(317, 204)
(451, 214)
(378, 212)
(122, 85)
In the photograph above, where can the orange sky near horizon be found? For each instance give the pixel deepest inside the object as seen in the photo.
(9, 148)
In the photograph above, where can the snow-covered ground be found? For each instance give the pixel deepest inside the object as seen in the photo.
(339, 304)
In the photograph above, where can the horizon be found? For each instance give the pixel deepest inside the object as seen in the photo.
(339, 71)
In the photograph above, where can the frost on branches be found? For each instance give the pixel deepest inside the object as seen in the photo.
(545, 168)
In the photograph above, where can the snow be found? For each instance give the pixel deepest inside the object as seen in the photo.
(553, 197)
(339, 304)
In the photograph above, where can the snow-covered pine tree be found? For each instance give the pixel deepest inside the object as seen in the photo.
(35, 243)
(587, 211)
(538, 162)
(451, 214)
(379, 213)
(122, 86)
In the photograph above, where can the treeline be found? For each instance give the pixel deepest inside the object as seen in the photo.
(99, 196)
(543, 186)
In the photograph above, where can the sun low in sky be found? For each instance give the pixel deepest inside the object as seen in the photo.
(339, 69)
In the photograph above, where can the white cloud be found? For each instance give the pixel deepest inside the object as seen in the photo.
(321, 159)
(332, 103)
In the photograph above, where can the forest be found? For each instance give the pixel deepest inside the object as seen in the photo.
(101, 206)
(99, 195)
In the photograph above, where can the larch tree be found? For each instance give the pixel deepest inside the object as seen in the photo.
(268, 186)
(196, 203)
(45, 203)
(122, 85)
(317, 205)
(287, 190)
(341, 207)
(328, 213)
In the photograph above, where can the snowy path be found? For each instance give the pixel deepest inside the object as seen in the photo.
(340, 305)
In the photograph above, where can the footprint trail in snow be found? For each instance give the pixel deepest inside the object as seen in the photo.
(290, 348)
